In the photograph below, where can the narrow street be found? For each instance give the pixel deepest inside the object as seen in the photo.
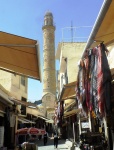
(50, 146)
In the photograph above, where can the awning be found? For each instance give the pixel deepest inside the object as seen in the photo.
(33, 111)
(23, 120)
(44, 118)
(70, 105)
(71, 113)
(68, 91)
(50, 121)
(2, 113)
(103, 30)
(20, 102)
(19, 55)
(4, 96)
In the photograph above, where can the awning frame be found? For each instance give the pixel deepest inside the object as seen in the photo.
(67, 86)
(24, 120)
(97, 24)
(16, 45)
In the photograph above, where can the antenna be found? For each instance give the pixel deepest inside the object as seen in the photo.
(71, 32)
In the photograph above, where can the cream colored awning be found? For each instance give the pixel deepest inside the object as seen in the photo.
(20, 102)
(42, 117)
(19, 55)
(50, 121)
(70, 105)
(68, 91)
(2, 113)
(33, 111)
(103, 30)
(23, 120)
(71, 113)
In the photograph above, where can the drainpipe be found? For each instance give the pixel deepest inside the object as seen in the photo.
(97, 24)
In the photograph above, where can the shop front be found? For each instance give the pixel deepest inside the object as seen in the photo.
(18, 55)
(68, 112)
(95, 77)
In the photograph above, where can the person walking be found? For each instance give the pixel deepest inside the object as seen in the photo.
(45, 138)
(55, 140)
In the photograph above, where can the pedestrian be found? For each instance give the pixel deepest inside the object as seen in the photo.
(55, 140)
(45, 138)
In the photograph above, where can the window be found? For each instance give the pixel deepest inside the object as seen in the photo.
(23, 108)
(23, 80)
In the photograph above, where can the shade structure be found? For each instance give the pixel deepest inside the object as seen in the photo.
(19, 55)
(32, 131)
(2, 113)
(22, 131)
(103, 29)
(42, 117)
(72, 112)
(33, 111)
(70, 105)
(20, 102)
(68, 91)
(23, 120)
(50, 121)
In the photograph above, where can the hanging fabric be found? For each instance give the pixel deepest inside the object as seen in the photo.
(94, 82)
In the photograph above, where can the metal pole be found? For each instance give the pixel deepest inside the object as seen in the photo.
(74, 131)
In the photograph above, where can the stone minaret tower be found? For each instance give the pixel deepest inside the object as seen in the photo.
(49, 77)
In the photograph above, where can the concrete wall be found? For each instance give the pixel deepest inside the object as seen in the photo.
(73, 52)
(17, 89)
(12, 83)
(5, 79)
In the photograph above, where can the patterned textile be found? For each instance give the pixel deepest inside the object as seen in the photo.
(92, 63)
(94, 82)
(80, 87)
(100, 89)
(87, 81)
(106, 80)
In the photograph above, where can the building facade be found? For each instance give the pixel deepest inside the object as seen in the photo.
(68, 54)
(15, 84)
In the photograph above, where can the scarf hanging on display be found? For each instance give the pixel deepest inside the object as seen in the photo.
(94, 82)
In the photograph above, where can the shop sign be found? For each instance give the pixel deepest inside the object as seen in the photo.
(85, 124)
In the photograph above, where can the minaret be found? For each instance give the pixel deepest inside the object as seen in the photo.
(49, 75)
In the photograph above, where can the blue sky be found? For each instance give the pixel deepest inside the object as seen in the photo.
(25, 18)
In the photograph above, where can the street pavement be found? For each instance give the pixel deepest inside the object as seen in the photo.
(50, 145)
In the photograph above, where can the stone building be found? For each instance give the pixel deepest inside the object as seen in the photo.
(68, 54)
(15, 84)
(49, 73)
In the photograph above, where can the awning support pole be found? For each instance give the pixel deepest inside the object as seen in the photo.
(89, 119)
